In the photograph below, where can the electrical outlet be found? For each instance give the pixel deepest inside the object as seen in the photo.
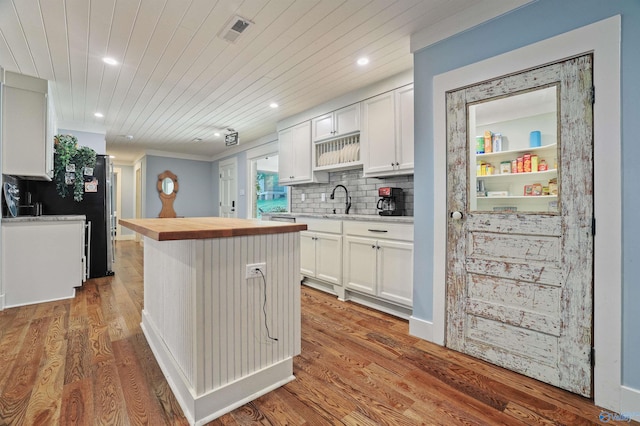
(302, 197)
(253, 270)
(323, 197)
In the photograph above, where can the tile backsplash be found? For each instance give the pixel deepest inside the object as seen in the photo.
(363, 192)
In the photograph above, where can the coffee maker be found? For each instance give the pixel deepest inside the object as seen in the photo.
(391, 202)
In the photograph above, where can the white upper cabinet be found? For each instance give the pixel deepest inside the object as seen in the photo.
(28, 126)
(377, 140)
(295, 155)
(404, 129)
(337, 123)
(387, 133)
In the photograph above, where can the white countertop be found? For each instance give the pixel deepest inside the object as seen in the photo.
(45, 218)
(363, 217)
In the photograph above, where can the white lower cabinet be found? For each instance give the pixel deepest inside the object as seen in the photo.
(321, 256)
(395, 271)
(364, 261)
(360, 252)
(382, 266)
(42, 260)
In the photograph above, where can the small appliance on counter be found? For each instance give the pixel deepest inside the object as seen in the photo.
(391, 202)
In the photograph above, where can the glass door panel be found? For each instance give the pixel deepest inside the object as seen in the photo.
(513, 150)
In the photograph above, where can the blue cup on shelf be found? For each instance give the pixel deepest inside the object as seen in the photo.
(535, 139)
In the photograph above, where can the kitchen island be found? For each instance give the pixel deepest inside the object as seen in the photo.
(220, 338)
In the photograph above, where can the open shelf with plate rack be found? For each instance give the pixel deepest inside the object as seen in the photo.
(517, 176)
(338, 154)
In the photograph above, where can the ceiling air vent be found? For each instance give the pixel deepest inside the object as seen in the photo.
(235, 26)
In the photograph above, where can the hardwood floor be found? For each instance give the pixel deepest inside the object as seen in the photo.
(86, 362)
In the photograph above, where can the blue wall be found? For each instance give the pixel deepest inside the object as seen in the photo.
(195, 195)
(538, 21)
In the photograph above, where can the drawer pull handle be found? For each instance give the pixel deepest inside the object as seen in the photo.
(377, 230)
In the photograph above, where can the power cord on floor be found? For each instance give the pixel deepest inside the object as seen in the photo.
(264, 306)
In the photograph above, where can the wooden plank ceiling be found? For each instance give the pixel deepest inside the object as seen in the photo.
(178, 80)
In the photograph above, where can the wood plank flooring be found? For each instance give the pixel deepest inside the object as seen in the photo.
(85, 361)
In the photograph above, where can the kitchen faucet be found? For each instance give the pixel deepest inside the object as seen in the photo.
(347, 200)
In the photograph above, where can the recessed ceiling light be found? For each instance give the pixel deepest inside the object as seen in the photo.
(273, 105)
(109, 61)
(216, 134)
(99, 114)
(196, 139)
(363, 61)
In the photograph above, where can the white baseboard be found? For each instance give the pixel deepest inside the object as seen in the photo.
(378, 304)
(630, 403)
(1, 302)
(201, 409)
(421, 328)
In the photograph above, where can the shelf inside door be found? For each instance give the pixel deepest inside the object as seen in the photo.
(534, 175)
(516, 151)
(519, 197)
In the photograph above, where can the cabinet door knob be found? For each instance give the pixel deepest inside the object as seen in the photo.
(456, 215)
(373, 246)
(397, 164)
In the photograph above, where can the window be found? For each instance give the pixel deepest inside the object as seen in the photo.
(267, 195)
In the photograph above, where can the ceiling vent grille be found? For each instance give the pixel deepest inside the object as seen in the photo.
(234, 28)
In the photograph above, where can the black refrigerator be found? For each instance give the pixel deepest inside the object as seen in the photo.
(96, 206)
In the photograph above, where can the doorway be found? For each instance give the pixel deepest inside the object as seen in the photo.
(520, 243)
(227, 185)
(266, 193)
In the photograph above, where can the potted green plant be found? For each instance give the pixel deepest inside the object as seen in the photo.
(70, 162)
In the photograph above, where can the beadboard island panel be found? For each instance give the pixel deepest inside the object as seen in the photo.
(221, 339)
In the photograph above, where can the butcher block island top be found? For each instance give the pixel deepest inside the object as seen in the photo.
(195, 228)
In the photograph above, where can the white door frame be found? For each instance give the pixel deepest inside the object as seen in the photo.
(603, 39)
(233, 161)
(117, 172)
(139, 195)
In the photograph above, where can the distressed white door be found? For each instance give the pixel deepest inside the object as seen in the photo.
(228, 188)
(519, 283)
